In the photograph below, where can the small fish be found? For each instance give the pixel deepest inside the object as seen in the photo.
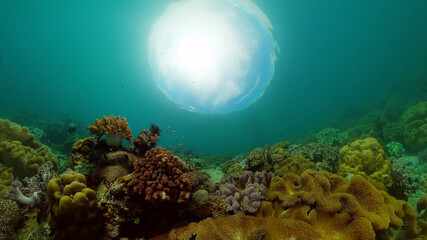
(182, 140)
(179, 144)
(183, 137)
(170, 146)
(174, 131)
(191, 169)
(170, 164)
(176, 137)
(169, 126)
(173, 147)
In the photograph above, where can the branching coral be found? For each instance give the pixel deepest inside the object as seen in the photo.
(331, 137)
(147, 139)
(115, 128)
(245, 227)
(367, 158)
(73, 209)
(161, 176)
(339, 209)
(414, 121)
(243, 194)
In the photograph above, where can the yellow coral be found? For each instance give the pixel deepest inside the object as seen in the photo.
(296, 164)
(24, 160)
(81, 151)
(73, 208)
(6, 178)
(367, 158)
(245, 227)
(10, 131)
(115, 128)
(337, 208)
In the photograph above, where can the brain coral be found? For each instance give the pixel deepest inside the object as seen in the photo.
(73, 208)
(337, 208)
(367, 158)
(414, 121)
(115, 128)
(161, 176)
(245, 227)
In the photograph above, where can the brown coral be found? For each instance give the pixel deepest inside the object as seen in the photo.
(6, 178)
(10, 131)
(245, 227)
(115, 128)
(161, 176)
(147, 139)
(296, 164)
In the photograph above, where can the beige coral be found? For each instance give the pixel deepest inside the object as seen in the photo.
(115, 128)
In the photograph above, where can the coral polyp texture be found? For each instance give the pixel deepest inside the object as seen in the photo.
(245, 227)
(73, 208)
(367, 158)
(161, 176)
(337, 208)
(115, 128)
(414, 121)
(19, 150)
(242, 194)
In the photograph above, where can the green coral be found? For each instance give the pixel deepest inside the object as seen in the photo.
(395, 149)
(331, 136)
(8, 219)
(414, 121)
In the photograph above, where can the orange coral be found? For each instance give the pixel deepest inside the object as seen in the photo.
(115, 128)
(245, 227)
(337, 208)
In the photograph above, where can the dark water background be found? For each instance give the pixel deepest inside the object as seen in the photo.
(337, 60)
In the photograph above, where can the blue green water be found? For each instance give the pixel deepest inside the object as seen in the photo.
(87, 59)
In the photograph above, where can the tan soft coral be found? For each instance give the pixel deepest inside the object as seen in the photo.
(245, 227)
(337, 208)
(10, 131)
(296, 164)
(414, 121)
(161, 176)
(6, 178)
(115, 128)
(367, 158)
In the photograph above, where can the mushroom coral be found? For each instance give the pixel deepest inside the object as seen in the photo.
(245, 227)
(161, 176)
(73, 208)
(337, 208)
(115, 128)
(367, 158)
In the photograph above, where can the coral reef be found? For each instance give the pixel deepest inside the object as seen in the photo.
(331, 137)
(19, 150)
(82, 151)
(115, 128)
(6, 178)
(392, 132)
(336, 208)
(31, 191)
(414, 121)
(147, 139)
(8, 219)
(395, 149)
(243, 193)
(113, 165)
(233, 167)
(259, 159)
(296, 164)
(161, 176)
(422, 156)
(73, 207)
(245, 227)
(325, 157)
(367, 158)
(406, 177)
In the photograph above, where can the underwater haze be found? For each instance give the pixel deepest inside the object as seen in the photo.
(88, 59)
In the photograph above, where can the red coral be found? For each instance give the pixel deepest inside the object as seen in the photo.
(161, 176)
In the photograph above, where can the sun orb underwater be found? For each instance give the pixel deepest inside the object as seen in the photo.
(212, 56)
